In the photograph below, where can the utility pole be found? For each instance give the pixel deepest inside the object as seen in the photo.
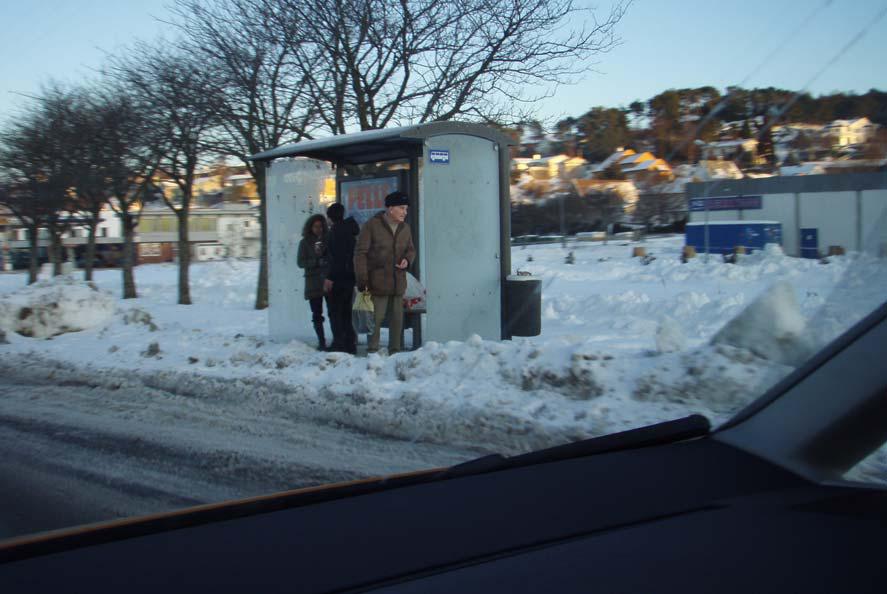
(563, 221)
(705, 198)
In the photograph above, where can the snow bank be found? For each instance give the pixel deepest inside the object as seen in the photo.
(771, 327)
(623, 345)
(52, 307)
(670, 337)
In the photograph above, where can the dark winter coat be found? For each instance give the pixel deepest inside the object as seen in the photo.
(340, 243)
(377, 252)
(314, 267)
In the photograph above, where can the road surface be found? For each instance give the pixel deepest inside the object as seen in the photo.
(74, 454)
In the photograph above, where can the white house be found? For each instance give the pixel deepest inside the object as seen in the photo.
(239, 232)
(850, 132)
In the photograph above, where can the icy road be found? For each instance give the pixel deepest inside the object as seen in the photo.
(73, 453)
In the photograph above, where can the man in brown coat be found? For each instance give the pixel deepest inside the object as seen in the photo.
(384, 252)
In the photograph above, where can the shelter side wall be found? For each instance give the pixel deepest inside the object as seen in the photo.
(460, 227)
(294, 190)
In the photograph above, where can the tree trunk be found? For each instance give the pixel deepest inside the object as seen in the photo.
(184, 258)
(262, 290)
(90, 247)
(55, 251)
(129, 283)
(34, 267)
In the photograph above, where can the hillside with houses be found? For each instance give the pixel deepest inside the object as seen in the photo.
(630, 166)
(609, 168)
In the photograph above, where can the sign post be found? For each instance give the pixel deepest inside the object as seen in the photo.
(706, 231)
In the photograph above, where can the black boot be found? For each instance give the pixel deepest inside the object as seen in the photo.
(321, 339)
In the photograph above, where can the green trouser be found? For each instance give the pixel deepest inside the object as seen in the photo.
(392, 305)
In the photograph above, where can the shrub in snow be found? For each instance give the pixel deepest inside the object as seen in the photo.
(139, 316)
(153, 350)
(577, 381)
(720, 379)
(670, 337)
(771, 327)
(52, 307)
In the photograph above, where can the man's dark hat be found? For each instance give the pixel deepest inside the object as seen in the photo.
(396, 199)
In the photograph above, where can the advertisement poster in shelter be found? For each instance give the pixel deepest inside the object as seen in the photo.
(363, 198)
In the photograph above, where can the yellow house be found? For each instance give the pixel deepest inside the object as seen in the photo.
(557, 166)
(650, 171)
(208, 182)
(638, 167)
(617, 157)
(636, 159)
(521, 164)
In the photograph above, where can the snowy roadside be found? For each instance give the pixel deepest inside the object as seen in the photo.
(624, 344)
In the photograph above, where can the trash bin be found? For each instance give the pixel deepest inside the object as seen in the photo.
(523, 298)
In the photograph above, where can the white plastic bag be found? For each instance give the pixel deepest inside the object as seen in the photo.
(362, 315)
(414, 296)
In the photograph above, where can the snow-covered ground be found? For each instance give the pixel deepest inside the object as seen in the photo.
(625, 342)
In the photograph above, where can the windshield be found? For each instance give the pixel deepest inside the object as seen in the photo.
(624, 216)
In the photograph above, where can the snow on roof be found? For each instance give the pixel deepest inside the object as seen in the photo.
(802, 169)
(642, 166)
(730, 143)
(717, 170)
(614, 158)
(863, 121)
(636, 158)
(702, 223)
(551, 159)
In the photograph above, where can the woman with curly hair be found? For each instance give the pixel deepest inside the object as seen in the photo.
(312, 258)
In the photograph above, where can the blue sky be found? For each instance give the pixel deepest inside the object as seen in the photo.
(666, 44)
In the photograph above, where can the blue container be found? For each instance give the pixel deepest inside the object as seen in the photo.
(725, 236)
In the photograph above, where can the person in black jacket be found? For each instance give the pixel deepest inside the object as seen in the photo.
(312, 259)
(339, 282)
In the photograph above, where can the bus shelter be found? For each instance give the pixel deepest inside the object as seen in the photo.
(457, 179)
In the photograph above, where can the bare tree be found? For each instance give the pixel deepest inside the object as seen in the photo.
(609, 208)
(34, 158)
(85, 156)
(282, 66)
(30, 212)
(171, 89)
(370, 63)
(129, 159)
(262, 94)
(655, 208)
